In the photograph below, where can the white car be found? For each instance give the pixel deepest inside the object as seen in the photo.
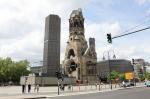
(127, 84)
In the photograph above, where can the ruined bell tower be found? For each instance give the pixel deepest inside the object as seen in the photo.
(76, 55)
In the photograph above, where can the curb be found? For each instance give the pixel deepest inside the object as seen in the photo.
(68, 94)
(89, 92)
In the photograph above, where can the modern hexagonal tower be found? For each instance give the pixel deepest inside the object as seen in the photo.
(51, 56)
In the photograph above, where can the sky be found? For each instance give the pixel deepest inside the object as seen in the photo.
(22, 25)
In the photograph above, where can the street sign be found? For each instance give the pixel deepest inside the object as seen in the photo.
(129, 75)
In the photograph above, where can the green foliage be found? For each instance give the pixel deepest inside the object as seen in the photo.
(141, 76)
(113, 74)
(116, 75)
(12, 71)
(121, 77)
(148, 76)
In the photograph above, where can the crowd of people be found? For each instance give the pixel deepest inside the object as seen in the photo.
(36, 88)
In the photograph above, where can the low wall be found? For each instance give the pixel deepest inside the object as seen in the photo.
(44, 80)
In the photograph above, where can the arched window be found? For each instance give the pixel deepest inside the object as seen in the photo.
(73, 66)
(71, 53)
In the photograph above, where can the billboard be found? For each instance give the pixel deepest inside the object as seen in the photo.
(129, 75)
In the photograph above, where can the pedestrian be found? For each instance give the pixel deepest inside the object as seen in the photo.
(37, 88)
(96, 85)
(29, 88)
(123, 84)
(69, 87)
(62, 87)
(23, 88)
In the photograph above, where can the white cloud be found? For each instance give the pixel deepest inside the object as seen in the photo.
(26, 48)
(125, 51)
(148, 12)
(141, 2)
(99, 31)
(146, 49)
(22, 27)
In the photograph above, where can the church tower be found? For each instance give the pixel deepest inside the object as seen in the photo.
(74, 63)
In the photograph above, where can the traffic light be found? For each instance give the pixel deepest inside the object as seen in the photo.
(133, 61)
(109, 39)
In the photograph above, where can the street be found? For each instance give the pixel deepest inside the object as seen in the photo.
(14, 92)
(134, 93)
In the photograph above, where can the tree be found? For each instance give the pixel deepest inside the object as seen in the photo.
(12, 71)
(114, 75)
(141, 76)
(148, 76)
(121, 77)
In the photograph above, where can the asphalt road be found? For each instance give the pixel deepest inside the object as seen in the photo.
(134, 93)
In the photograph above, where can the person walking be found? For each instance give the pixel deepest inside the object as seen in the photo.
(124, 84)
(29, 88)
(69, 87)
(23, 88)
(37, 88)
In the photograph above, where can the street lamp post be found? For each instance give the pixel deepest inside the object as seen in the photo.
(110, 81)
(144, 70)
(108, 53)
(40, 74)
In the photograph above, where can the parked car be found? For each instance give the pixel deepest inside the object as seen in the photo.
(147, 83)
(127, 83)
(132, 83)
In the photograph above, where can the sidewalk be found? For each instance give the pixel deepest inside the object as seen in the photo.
(14, 92)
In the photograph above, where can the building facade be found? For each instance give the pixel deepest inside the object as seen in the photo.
(51, 56)
(80, 60)
(36, 69)
(139, 67)
(119, 65)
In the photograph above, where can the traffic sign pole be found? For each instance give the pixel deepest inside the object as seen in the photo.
(58, 86)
